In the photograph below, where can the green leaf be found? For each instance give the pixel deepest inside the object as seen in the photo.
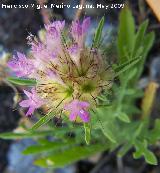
(142, 150)
(108, 132)
(147, 44)
(150, 158)
(139, 129)
(98, 33)
(20, 81)
(105, 123)
(15, 135)
(126, 34)
(140, 37)
(125, 66)
(50, 146)
(124, 149)
(87, 129)
(45, 119)
(69, 156)
(123, 117)
(154, 134)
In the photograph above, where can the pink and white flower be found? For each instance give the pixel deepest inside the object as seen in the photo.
(69, 75)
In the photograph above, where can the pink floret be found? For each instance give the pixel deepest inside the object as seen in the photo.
(21, 65)
(55, 28)
(78, 108)
(53, 36)
(33, 102)
(78, 29)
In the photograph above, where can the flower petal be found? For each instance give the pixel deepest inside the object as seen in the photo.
(86, 24)
(30, 111)
(24, 103)
(28, 94)
(84, 115)
(21, 65)
(73, 116)
(84, 104)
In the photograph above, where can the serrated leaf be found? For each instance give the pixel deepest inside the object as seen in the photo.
(20, 81)
(98, 34)
(87, 129)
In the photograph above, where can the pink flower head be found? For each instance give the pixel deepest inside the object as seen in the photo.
(33, 102)
(78, 108)
(79, 30)
(21, 65)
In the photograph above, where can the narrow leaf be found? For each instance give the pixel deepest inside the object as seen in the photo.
(107, 129)
(98, 33)
(69, 156)
(125, 66)
(15, 135)
(124, 149)
(87, 133)
(150, 158)
(23, 82)
(126, 34)
(123, 117)
(140, 36)
(147, 44)
(35, 149)
(45, 119)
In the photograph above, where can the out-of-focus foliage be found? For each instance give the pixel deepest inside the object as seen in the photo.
(113, 123)
(4, 56)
